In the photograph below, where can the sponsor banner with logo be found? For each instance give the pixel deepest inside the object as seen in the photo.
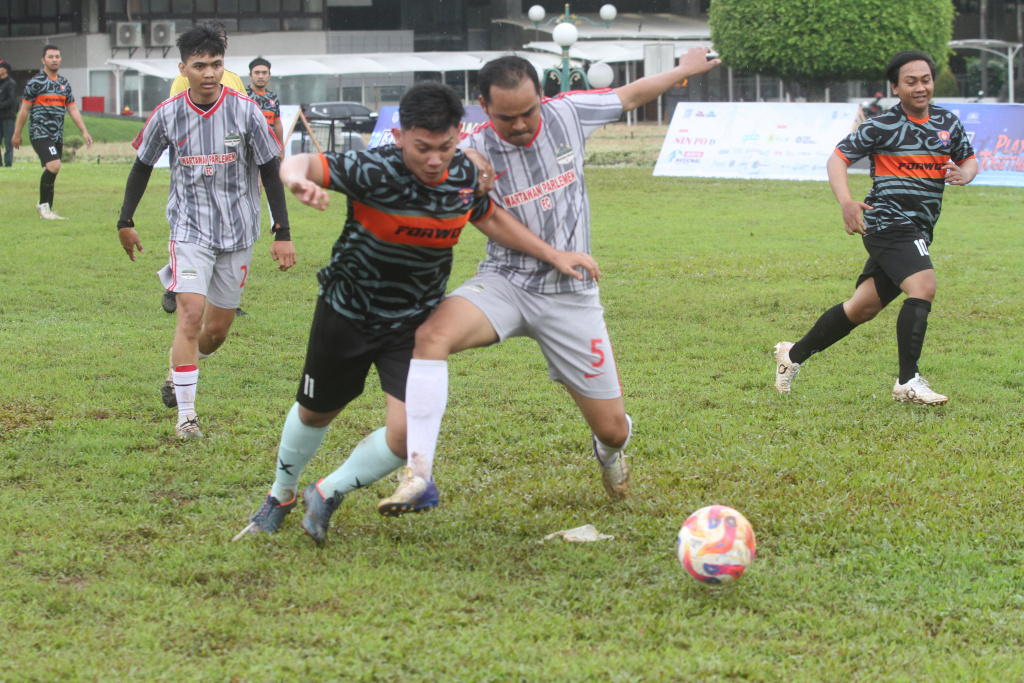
(388, 119)
(786, 141)
(996, 132)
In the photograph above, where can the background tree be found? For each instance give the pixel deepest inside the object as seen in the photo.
(817, 42)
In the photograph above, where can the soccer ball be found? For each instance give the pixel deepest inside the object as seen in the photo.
(716, 544)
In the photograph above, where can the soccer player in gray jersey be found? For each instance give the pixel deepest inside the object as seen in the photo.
(536, 147)
(219, 142)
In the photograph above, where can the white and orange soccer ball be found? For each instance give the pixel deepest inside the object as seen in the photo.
(716, 544)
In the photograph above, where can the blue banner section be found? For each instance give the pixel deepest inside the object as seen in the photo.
(996, 132)
(388, 119)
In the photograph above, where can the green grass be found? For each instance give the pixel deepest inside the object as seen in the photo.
(102, 129)
(889, 535)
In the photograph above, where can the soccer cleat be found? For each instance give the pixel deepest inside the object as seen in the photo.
(167, 390)
(615, 476)
(46, 212)
(188, 428)
(785, 368)
(318, 512)
(169, 301)
(414, 494)
(917, 391)
(239, 313)
(268, 518)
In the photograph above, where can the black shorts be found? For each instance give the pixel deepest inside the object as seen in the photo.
(339, 356)
(47, 149)
(893, 256)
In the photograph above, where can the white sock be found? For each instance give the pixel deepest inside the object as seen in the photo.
(426, 397)
(204, 355)
(606, 454)
(185, 379)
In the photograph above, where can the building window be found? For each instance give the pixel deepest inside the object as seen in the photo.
(40, 17)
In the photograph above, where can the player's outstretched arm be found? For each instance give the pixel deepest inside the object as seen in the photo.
(503, 228)
(693, 63)
(303, 176)
(76, 116)
(962, 173)
(853, 210)
(138, 179)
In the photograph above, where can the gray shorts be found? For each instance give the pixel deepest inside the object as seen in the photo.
(218, 275)
(569, 328)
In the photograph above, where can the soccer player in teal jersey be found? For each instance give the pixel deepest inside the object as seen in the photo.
(916, 148)
(47, 98)
(407, 206)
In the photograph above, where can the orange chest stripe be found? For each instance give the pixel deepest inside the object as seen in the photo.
(270, 117)
(420, 231)
(50, 100)
(912, 166)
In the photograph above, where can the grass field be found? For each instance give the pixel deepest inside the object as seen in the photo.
(889, 535)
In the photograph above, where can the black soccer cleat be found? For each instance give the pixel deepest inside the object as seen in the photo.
(268, 518)
(239, 313)
(318, 512)
(167, 394)
(169, 301)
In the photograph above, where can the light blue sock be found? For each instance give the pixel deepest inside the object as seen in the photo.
(298, 446)
(370, 461)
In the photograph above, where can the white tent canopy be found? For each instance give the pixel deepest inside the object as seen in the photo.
(647, 27)
(341, 64)
(614, 51)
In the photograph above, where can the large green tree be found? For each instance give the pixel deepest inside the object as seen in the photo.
(817, 42)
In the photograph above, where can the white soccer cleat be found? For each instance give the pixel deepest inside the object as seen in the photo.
(615, 476)
(917, 391)
(785, 369)
(187, 428)
(46, 212)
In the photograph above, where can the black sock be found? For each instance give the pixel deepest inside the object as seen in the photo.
(46, 187)
(911, 325)
(832, 326)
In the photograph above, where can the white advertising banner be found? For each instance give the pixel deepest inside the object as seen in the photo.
(787, 141)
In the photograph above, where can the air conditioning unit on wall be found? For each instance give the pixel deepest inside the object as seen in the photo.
(126, 34)
(161, 34)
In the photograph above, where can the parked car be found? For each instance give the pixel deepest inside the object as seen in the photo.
(350, 115)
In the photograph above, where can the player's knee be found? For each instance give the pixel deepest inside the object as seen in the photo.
(613, 432)
(432, 341)
(53, 166)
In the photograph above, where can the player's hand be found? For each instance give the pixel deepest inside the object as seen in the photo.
(88, 140)
(695, 61)
(853, 217)
(954, 174)
(16, 140)
(308, 192)
(130, 242)
(566, 262)
(486, 181)
(284, 253)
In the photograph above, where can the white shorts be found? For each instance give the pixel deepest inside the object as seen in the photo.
(569, 328)
(218, 275)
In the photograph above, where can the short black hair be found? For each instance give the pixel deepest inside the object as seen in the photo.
(431, 105)
(900, 59)
(48, 47)
(4, 64)
(506, 73)
(204, 38)
(259, 61)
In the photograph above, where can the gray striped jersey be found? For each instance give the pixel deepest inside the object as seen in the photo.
(541, 184)
(215, 157)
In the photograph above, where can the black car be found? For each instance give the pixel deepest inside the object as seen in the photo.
(348, 115)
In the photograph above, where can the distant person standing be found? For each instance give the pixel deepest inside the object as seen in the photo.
(8, 110)
(47, 98)
(270, 104)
